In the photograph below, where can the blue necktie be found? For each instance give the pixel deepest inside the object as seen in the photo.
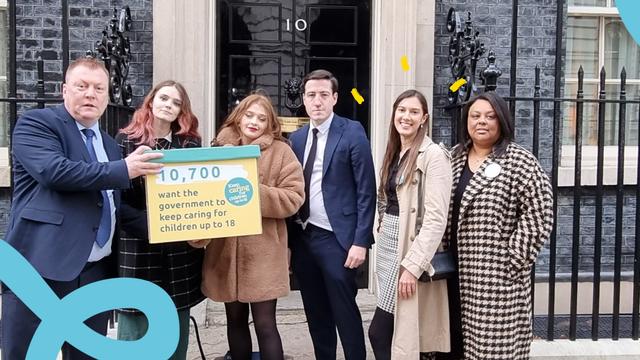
(105, 220)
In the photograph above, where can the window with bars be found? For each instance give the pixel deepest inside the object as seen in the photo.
(596, 39)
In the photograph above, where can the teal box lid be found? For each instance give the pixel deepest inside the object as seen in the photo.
(207, 154)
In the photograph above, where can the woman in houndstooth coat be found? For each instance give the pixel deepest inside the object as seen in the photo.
(499, 218)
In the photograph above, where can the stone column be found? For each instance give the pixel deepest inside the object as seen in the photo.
(400, 28)
(184, 50)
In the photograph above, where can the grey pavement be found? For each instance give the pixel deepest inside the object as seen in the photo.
(291, 320)
(297, 344)
(292, 325)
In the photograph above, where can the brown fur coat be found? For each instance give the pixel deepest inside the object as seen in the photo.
(255, 268)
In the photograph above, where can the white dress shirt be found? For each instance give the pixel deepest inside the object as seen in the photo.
(317, 213)
(97, 252)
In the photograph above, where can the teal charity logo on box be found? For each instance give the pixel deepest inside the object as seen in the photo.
(238, 191)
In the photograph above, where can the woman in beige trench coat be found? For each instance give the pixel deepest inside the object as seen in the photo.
(411, 317)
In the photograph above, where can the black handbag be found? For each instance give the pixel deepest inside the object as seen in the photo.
(443, 262)
(444, 265)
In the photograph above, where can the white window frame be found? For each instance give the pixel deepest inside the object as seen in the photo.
(3, 5)
(566, 170)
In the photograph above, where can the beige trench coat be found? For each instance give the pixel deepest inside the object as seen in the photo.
(421, 323)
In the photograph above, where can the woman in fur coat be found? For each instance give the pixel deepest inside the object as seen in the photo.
(251, 272)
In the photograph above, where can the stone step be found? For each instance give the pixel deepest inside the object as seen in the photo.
(585, 349)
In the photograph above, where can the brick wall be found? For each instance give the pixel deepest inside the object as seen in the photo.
(39, 33)
(536, 46)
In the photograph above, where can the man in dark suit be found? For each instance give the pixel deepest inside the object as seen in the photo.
(65, 206)
(333, 231)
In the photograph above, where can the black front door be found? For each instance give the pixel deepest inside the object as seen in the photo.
(263, 44)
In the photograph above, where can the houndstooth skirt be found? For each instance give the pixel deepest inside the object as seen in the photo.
(387, 264)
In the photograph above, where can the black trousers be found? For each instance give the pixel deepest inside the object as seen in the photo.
(328, 292)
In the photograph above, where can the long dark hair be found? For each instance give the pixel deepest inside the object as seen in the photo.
(394, 145)
(504, 120)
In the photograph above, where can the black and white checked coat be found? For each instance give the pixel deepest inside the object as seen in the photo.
(176, 267)
(503, 223)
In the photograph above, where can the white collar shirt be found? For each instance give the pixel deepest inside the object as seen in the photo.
(317, 212)
(97, 252)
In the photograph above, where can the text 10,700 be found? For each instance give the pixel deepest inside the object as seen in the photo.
(185, 175)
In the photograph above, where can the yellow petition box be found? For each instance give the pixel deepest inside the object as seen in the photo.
(204, 193)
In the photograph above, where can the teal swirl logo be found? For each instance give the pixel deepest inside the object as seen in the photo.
(159, 342)
(630, 15)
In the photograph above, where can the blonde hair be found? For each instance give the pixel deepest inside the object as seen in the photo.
(89, 63)
(273, 125)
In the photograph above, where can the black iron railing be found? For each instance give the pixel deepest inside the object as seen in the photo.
(115, 117)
